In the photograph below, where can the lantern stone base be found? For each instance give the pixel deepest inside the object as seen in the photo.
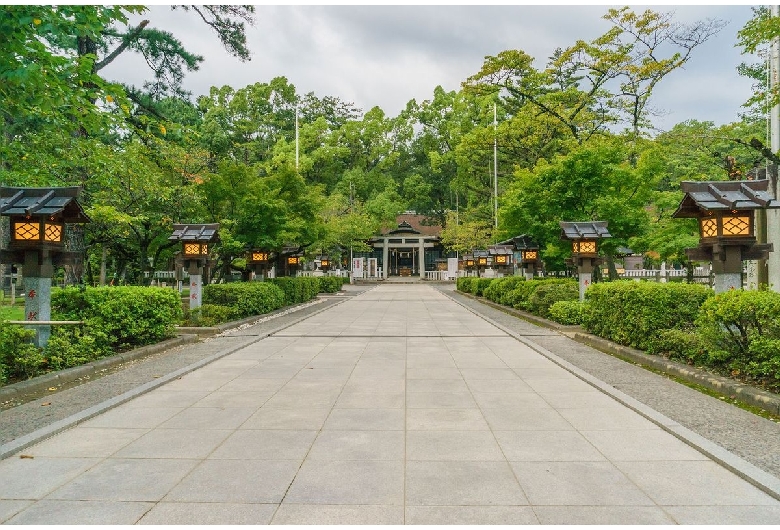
(727, 261)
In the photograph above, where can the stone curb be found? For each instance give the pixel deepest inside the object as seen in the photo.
(764, 481)
(34, 437)
(744, 393)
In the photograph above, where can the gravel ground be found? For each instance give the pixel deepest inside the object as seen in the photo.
(755, 439)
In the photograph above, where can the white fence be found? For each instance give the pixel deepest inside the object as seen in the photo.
(438, 276)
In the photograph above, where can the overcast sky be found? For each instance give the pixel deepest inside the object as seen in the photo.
(387, 55)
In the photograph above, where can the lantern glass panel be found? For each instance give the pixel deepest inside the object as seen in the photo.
(736, 226)
(192, 249)
(530, 255)
(52, 233)
(482, 261)
(469, 263)
(501, 260)
(292, 260)
(27, 231)
(324, 263)
(588, 247)
(259, 256)
(709, 227)
(575, 246)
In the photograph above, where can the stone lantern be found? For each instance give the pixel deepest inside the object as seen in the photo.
(38, 217)
(196, 242)
(530, 259)
(502, 258)
(584, 237)
(481, 260)
(725, 213)
(258, 261)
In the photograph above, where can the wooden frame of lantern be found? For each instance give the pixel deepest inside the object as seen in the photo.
(725, 212)
(585, 238)
(196, 243)
(324, 263)
(257, 260)
(38, 219)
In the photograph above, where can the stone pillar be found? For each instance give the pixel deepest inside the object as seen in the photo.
(528, 271)
(586, 275)
(385, 260)
(37, 273)
(196, 284)
(728, 271)
(422, 259)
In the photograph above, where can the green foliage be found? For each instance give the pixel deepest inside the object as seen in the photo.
(520, 296)
(297, 289)
(478, 287)
(243, 298)
(330, 284)
(463, 283)
(208, 315)
(120, 317)
(500, 287)
(633, 313)
(73, 346)
(740, 327)
(545, 295)
(19, 358)
(679, 344)
(566, 312)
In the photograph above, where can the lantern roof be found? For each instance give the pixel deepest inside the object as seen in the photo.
(480, 253)
(43, 202)
(202, 233)
(584, 230)
(707, 196)
(497, 250)
(522, 242)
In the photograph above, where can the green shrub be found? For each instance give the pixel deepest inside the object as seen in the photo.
(742, 327)
(566, 312)
(680, 345)
(463, 284)
(19, 358)
(122, 316)
(519, 297)
(297, 289)
(549, 292)
(632, 313)
(478, 287)
(500, 287)
(330, 284)
(210, 315)
(244, 298)
(71, 346)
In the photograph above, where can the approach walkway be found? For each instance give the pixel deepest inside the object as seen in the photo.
(396, 406)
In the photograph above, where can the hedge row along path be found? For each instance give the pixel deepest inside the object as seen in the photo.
(398, 405)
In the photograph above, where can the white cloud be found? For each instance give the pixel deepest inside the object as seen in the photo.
(385, 56)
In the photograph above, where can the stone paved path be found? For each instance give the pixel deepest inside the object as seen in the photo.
(397, 406)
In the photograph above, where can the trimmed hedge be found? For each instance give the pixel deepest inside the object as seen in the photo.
(520, 296)
(741, 330)
(243, 298)
(550, 292)
(566, 312)
(18, 358)
(297, 289)
(120, 317)
(331, 284)
(497, 290)
(634, 313)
